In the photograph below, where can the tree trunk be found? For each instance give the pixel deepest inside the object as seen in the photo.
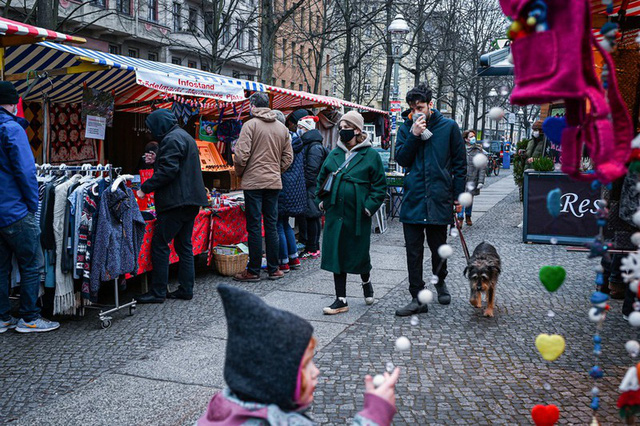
(267, 39)
(386, 90)
(346, 64)
(47, 14)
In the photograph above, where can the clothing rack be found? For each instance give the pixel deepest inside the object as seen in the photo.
(104, 316)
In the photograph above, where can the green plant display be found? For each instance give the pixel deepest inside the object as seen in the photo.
(543, 164)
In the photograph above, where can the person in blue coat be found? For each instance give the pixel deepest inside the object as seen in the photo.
(19, 231)
(292, 202)
(432, 151)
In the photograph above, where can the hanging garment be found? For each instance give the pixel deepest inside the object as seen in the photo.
(119, 236)
(63, 302)
(86, 234)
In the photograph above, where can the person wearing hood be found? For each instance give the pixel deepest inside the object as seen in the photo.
(328, 127)
(270, 373)
(263, 152)
(535, 147)
(357, 192)
(301, 221)
(292, 202)
(430, 148)
(314, 154)
(19, 230)
(292, 119)
(179, 192)
(475, 175)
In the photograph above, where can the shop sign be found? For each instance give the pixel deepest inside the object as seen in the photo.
(190, 86)
(95, 128)
(396, 106)
(576, 223)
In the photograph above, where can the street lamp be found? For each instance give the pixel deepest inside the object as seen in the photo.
(398, 30)
(493, 94)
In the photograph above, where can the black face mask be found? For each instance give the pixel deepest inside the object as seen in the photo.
(346, 135)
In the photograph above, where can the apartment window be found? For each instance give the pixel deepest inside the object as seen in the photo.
(114, 49)
(328, 70)
(177, 17)
(300, 87)
(285, 5)
(205, 67)
(282, 83)
(284, 51)
(192, 64)
(152, 10)
(273, 81)
(239, 34)
(152, 56)
(252, 40)
(292, 85)
(318, 27)
(310, 26)
(293, 53)
(176, 60)
(193, 19)
(308, 88)
(123, 6)
(235, 74)
(226, 31)
(100, 3)
(310, 53)
(367, 89)
(326, 93)
(208, 24)
(133, 53)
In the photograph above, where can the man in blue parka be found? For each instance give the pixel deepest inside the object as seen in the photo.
(432, 151)
(19, 230)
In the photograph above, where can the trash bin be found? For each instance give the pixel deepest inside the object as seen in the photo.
(506, 160)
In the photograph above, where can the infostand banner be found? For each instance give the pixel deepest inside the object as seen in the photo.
(190, 86)
(576, 224)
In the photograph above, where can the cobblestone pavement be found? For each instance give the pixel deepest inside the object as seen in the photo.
(162, 365)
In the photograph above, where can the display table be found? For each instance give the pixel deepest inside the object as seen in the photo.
(228, 227)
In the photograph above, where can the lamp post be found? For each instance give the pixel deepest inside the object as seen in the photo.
(493, 94)
(398, 30)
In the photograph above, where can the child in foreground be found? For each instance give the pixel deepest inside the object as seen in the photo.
(270, 373)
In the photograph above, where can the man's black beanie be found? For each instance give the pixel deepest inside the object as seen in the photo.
(296, 115)
(8, 93)
(264, 348)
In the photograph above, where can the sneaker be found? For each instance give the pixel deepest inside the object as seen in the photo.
(246, 276)
(310, 254)
(336, 307)
(276, 275)
(468, 220)
(367, 290)
(413, 308)
(285, 268)
(6, 325)
(294, 263)
(40, 325)
(300, 247)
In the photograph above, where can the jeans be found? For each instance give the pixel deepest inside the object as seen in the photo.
(301, 221)
(467, 210)
(177, 225)
(314, 228)
(21, 239)
(288, 247)
(414, 241)
(340, 283)
(262, 204)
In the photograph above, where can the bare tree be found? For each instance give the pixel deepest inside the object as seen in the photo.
(48, 13)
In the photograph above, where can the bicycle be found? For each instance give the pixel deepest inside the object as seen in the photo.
(493, 166)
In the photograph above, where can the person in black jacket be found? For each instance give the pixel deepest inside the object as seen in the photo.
(314, 155)
(179, 194)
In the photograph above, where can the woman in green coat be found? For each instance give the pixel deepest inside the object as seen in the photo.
(357, 193)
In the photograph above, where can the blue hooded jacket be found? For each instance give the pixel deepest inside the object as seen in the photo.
(293, 197)
(18, 181)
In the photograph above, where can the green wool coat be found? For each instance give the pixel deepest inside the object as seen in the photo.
(347, 230)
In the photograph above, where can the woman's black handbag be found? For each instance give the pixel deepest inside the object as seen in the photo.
(327, 185)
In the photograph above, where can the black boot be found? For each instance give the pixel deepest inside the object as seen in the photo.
(367, 290)
(179, 294)
(148, 298)
(413, 308)
(444, 298)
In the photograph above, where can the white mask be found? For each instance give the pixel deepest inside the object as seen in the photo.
(472, 141)
(536, 133)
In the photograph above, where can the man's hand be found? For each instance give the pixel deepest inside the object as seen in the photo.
(419, 126)
(457, 207)
(150, 157)
(480, 185)
(386, 390)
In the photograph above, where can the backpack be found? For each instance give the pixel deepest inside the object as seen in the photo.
(564, 69)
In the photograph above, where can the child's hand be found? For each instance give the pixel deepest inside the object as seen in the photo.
(386, 390)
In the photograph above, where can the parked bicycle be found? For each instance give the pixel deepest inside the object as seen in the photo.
(494, 165)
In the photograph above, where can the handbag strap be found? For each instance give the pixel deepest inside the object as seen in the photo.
(347, 160)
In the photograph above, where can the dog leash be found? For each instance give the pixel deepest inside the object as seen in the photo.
(458, 221)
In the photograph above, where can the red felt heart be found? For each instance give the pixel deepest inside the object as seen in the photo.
(545, 415)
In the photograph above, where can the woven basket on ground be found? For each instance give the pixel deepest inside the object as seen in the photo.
(229, 265)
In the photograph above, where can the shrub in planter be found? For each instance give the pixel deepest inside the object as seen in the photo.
(543, 164)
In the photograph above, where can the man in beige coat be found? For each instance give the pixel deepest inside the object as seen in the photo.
(263, 152)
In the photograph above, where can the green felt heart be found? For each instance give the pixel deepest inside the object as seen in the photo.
(552, 277)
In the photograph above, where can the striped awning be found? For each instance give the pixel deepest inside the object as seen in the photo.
(14, 33)
(632, 9)
(287, 100)
(138, 78)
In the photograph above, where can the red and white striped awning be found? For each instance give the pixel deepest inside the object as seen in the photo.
(292, 99)
(12, 30)
(632, 9)
(362, 107)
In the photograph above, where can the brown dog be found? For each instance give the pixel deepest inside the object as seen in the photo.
(483, 270)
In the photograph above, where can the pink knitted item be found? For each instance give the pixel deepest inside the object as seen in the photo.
(558, 64)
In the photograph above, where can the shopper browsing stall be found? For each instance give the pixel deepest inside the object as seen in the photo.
(179, 194)
(263, 152)
(19, 230)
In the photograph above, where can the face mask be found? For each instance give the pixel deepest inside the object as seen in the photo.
(347, 134)
(536, 133)
(472, 141)
(300, 132)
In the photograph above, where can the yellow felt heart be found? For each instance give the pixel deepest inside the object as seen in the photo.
(550, 346)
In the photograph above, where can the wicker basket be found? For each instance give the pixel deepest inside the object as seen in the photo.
(229, 265)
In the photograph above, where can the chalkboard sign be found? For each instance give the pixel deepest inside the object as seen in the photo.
(577, 221)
